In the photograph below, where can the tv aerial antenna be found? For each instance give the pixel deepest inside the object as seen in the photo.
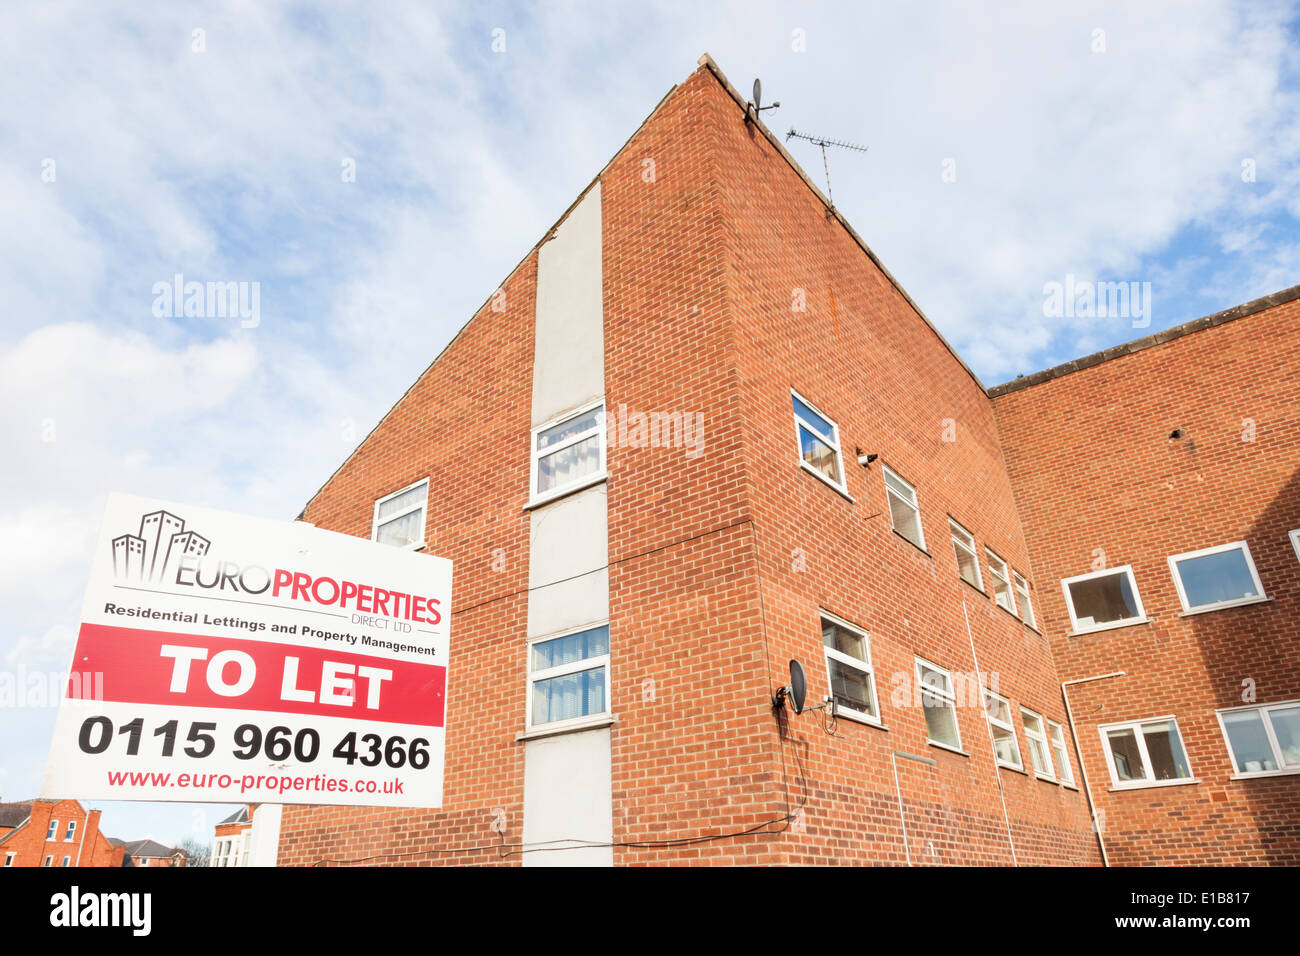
(823, 142)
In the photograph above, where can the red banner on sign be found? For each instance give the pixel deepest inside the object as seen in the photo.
(162, 667)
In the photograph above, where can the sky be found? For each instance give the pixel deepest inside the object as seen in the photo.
(378, 170)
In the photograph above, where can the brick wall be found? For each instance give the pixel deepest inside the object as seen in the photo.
(1098, 477)
(88, 847)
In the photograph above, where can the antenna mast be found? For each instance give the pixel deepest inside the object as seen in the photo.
(823, 142)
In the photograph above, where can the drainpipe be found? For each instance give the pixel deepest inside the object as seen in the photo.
(899, 792)
(997, 773)
(1083, 771)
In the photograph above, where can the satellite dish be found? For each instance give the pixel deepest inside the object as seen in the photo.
(758, 94)
(798, 686)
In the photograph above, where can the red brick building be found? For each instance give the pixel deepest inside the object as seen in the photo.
(54, 833)
(699, 432)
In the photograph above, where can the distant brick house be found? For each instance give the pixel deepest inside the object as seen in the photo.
(232, 839)
(54, 833)
(1058, 617)
(150, 853)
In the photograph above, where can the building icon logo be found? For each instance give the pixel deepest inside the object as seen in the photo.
(162, 542)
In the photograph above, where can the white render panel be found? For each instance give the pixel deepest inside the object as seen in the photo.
(568, 553)
(569, 350)
(568, 795)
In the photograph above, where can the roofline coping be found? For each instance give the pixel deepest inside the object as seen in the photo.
(1159, 338)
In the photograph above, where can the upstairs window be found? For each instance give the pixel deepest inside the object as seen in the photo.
(848, 669)
(1295, 542)
(568, 453)
(1001, 582)
(1022, 595)
(1145, 753)
(1039, 756)
(568, 677)
(1263, 739)
(940, 703)
(1062, 758)
(1005, 747)
(399, 517)
(1215, 578)
(818, 442)
(968, 563)
(70, 832)
(904, 511)
(1102, 600)
(54, 829)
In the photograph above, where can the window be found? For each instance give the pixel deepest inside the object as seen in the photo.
(1062, 758)
(818, 442)
(1022, 596)
(54, 829)
(399, 517)
(968, 564)
(1039, 756)
(49, 861)
(1216, 577)
(1102, 600)
(1001, 582)
(1005, 747)
(1295, 542)
(67, 861)
(940, 703)
(568, 453)
(1263, 740)
(1145, 753)
(848, 669)
(568, 677)
(9, 859)
(70, 832)
(903, 508)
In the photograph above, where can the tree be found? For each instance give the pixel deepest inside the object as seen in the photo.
(197, 853)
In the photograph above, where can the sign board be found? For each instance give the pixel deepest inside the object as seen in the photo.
(228, 659)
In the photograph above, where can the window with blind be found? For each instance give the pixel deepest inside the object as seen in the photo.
(568, 677)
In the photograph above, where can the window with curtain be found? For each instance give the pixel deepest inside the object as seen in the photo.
(848, 669)
(569, 677)
(904, 509)
(940, 703)
(399, 517)
(569, 454)
(1005, 746)
(968, 564)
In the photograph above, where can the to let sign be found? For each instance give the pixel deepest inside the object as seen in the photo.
(224, 658)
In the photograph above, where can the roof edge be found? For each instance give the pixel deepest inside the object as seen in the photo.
(707, 61)
(1159, 338)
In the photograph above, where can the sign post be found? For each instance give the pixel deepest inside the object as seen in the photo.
(228, 659)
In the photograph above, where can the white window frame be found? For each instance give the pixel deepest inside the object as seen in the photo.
(535, 455)
(954, 530)
(70, 832)
(994, 561)
(49, 861)
(914, 504)
(1136, 726)
(52, 834)
(1039, 737)
(840, 485)
(1217, 605)
(1020, 589)
(948, 694)
(560, 670)
(848, 660)
(1295, 542)
(67, 861)
(1105, 572)
(9, 859)
(1283, 770)
(1008, 725)
(422, 507)
(1060, 753)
